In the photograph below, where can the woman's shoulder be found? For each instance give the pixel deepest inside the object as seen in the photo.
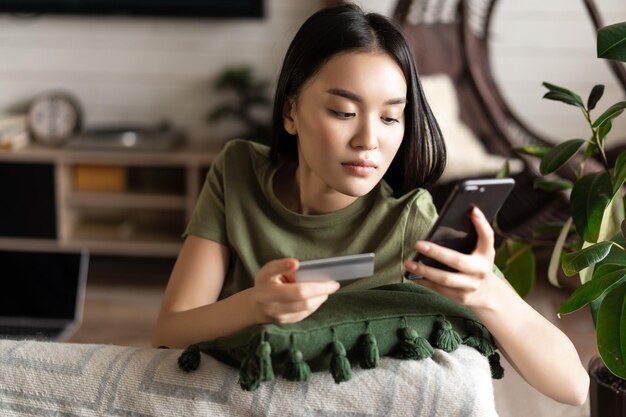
(243, 149)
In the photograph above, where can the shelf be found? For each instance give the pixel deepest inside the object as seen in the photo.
(126, 200)
(126, 203)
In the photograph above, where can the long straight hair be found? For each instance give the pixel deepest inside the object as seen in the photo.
(421, 157)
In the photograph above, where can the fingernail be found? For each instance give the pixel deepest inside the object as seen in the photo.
(334, 286)
(410, 266)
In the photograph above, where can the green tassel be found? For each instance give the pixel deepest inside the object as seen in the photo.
(296, 369)
(264, 356)
(339, 363)
(497, 371)
(189, 360)
(412, 345)
(478, 341)
(371, 355)
(249, 374)
(447, 338)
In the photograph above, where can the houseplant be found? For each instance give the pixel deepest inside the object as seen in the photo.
(591, 242)
(247, 102)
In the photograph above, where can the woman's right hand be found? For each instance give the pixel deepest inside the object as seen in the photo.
(280, 299)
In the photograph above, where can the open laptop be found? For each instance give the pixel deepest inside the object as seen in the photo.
(42, 293)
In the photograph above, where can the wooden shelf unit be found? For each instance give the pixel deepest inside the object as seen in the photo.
(146, 218)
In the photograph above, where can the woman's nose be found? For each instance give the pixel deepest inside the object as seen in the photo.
(366, 137)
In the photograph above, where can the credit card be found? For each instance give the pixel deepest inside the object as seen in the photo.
(339, 268)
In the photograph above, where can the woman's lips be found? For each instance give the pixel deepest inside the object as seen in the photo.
(360, 167)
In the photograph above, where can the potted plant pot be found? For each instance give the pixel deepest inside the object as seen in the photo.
(607, 392)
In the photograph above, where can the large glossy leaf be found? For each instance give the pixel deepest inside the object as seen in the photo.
(619, 175)
(612, 219)
(552, 185)
(595, 96)
(534, 150)
(604, 278)
(516, 260)
(610, 114)
(589, 198)
(611, 330)
(559, 155)
(555, 258)
(611, 42)
(564, 95)
(577, 261)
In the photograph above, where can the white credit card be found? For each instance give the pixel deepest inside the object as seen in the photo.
(340, 268)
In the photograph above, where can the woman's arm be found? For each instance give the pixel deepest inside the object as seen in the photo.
(191, 313)
(540, 352)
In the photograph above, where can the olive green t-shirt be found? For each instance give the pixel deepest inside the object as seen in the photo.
(237, 208)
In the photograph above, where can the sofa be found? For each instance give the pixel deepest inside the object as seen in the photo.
(40, 378)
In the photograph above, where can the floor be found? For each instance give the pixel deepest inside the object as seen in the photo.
(123, 297)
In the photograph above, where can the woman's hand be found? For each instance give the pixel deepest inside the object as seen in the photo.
(279, 299)
(472, 283)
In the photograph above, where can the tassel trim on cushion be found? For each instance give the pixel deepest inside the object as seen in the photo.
(296, 369)
(189, 360)
(339, 363)
(256, 366)
(369, 346)
(447, 338)
(412, 344)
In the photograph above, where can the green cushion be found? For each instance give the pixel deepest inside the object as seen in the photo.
(403, 320)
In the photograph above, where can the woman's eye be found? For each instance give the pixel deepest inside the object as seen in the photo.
(390, 120)
(342, 115)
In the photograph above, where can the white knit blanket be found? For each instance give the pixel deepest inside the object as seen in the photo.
(52, 379)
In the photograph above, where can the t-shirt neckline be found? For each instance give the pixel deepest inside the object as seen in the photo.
(315, 220)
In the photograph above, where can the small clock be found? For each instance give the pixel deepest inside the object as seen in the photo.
(54, 117)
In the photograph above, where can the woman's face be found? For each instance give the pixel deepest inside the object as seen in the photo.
(349, 122)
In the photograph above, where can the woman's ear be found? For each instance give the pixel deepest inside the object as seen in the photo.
(289, 122)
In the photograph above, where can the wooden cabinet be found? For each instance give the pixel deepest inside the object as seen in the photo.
(112, 202)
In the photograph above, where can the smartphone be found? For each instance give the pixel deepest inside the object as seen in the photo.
(454, 228)
(339, 268)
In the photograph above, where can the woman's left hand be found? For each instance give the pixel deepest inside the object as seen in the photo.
(475, 277)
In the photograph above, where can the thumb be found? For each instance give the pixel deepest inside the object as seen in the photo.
(276, 269)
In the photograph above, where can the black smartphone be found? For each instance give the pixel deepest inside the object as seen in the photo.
(454, 228)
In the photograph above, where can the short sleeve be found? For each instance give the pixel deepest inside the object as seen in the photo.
(208, 219)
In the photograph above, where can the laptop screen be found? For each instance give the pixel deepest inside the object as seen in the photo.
(38, 284)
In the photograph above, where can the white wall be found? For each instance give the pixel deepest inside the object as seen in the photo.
(537, 40)
(142, 70)
(145, 70)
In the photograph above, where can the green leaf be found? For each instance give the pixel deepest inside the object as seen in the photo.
(624, 229)
(604, 130)
(595, 96)
(584, 258)
(552, 185)
(550, 229)
(612, 42)
(590, 196)
(516, 260)
(604, 278)
(611, 330)
(534, 150)
(504, 171)
(610, 114)
(564, 98)
(591, 147)
(559, 155)
(619, 174)
(563, 94)
(612, 219)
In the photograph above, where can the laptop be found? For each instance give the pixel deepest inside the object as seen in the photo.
(42, 293)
